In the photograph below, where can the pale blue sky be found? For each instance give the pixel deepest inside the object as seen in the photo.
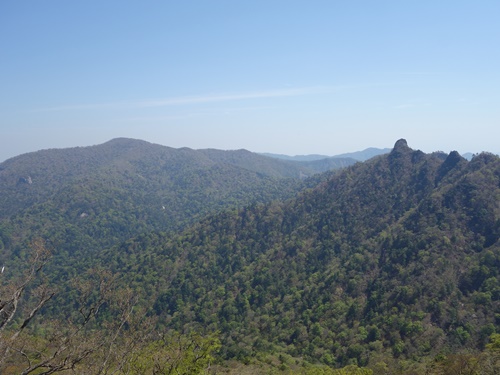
(291, 77)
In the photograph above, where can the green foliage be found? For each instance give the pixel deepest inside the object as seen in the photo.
(348, 370)
(174, 355)
(87, 199)
(363, 266)
(384, 266)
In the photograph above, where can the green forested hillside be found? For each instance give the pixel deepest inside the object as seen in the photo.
(90, 198)
(392, 262)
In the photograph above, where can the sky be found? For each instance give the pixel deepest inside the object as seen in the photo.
(289, 77)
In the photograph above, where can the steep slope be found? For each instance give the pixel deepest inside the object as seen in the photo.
(397, 257)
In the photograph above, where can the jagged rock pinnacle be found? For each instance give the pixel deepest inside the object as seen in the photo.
(401, 145)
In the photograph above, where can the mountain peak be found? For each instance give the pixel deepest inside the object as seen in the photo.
(454, 157)
(401, 145)
(452, 161)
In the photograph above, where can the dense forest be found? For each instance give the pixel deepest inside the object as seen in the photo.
(89, 198)
(389, 266)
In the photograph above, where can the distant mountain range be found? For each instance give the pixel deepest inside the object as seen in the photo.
(358, 155)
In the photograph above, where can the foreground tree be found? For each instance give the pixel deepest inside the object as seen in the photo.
(57, 346)
(105, 333)
(10, 297)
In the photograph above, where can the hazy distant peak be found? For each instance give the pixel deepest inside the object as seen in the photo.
(366, 154)
(310, 157)
(237, 151)
(357, 155)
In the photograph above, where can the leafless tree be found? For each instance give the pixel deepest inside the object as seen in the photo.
(12, 294)
(80, 342)
(124, 342)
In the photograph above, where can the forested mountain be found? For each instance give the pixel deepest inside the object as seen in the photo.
(88, 198)
(47, 171)
(389, 263)
(392, 264)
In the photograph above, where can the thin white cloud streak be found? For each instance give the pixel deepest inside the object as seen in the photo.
(405, 106)
(228, 97)
(215, 112)
(418, 73)
(185, 100)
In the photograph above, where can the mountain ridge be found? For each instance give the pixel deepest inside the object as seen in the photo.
(363, 155)
(385, 261)
(124, 187)
(391, 263)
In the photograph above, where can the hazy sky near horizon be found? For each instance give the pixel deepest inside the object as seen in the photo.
(290, 77)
